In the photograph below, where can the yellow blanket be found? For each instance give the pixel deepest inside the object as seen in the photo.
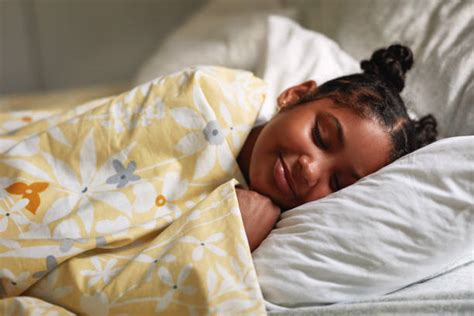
(127, 206)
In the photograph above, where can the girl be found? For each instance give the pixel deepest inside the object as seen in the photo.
(326, 138)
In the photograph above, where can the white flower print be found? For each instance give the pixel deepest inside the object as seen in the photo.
(106, 273)
(166, 258)
(6, 144)
(46, 288)
(22, 118)
(36, 231)
(192, 203)
(14, 282)
(13, 214)
(186, 74)
(206, 136)
(93, 186)
(165, 277)
(235, 130)
(114, 118)
(240, 92)
(121, 117)
(27, 147)
(145, 196)
(4, 183)
(156, 110)
(28, 118)
(229, 284)
(109, 226)
(205, 244)
(173, 190)
(9, 243)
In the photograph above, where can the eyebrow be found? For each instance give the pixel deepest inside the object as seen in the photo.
(340, 137)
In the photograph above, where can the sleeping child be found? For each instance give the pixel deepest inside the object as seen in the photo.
(326, 138)
(150, 201)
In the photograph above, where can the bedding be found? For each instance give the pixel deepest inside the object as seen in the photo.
(127, 204)
(257, 42)
(447, 294)
(440, 33)
(307, 55)
(229, 33)
(408, 222)
(57, 100)
(18, 111)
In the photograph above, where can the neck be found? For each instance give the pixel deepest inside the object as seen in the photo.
(245, 155)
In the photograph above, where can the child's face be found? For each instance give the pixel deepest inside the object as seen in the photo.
(311, 150)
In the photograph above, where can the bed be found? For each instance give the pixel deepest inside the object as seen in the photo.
(237, 35)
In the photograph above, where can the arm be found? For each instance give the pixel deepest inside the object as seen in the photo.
(259, 215)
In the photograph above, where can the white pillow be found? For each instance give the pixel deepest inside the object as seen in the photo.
(294, 55)
(440, 33)
(409, 221)
(229, 33)
(275, 47)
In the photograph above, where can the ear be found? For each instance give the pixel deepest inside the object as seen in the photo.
(297, 94)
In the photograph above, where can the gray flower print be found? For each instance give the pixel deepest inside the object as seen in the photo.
(123, 175)
(67, 243)
(213, 133)
(51, 264)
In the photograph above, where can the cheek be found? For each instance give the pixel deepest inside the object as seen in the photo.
(318, 192)
(262, 161)
(290, 131)
(258, 161)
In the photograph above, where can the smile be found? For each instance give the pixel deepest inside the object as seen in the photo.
(282, 178)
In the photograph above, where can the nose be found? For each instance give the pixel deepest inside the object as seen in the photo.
(310, 171)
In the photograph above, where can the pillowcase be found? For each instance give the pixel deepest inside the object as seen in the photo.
(294, 55)
(410, 221)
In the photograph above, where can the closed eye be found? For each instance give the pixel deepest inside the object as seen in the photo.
(317, 137)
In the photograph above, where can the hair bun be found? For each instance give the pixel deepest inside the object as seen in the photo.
(425, 129)
(390, 65)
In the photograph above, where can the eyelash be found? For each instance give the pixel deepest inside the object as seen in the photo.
(317, 137)
(335, 186)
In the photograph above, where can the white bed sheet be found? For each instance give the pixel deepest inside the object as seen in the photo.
(448, 294)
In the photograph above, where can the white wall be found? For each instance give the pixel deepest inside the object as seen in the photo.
(56, 44)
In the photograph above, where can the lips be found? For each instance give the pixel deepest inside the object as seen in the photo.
(283, 178)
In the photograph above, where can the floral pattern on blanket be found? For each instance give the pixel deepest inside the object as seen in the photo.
(127, 205)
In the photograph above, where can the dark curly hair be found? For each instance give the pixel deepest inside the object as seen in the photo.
(375, 93)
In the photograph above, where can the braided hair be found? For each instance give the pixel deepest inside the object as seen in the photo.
(375, 93)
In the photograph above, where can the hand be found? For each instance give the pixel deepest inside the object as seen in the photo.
(259, 215)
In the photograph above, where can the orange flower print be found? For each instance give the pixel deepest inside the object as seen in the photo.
(27, 119)
(29, 192)
(160, 200)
